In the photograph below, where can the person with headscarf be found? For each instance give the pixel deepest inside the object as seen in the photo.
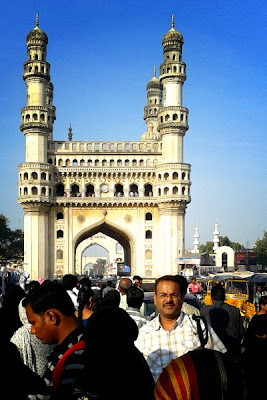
(32, 352)
(112, 377)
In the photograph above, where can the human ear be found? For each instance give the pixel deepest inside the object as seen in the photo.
(52, 317)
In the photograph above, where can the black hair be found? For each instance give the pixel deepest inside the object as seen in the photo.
(135, 297)
(32, 286)
(85, 282)
(50, 295)
(137, 277)
(218, 293)
(109, 283)
(263, 301)
(84, 296)
(179, 279)
(69, 281)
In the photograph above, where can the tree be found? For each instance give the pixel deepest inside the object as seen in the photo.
(261, 248)
(11, 242)
(223, 241)
(99, 266)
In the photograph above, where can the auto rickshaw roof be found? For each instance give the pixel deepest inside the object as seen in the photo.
(261, 277)
(221, 278)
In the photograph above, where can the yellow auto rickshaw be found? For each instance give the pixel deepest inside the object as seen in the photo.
(236, 290)
(256, 280)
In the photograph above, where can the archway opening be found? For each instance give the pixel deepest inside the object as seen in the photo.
(124, 243)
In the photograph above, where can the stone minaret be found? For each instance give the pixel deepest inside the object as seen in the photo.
(154, 98)
(36, 175)
(216, 238)
(196, 241)
(173, 187)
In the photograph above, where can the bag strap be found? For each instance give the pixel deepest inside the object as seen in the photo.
(57, 373)
(203, 339)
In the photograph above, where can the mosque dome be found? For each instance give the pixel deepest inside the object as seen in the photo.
(37, 33)
(154, 83)
(172, 34)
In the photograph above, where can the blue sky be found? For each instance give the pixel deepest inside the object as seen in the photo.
(102, 55)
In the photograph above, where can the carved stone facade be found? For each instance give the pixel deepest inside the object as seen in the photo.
(135, 192)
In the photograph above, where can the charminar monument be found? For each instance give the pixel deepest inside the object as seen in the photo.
(134, 192)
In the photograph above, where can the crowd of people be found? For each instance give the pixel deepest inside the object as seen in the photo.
(64, 340)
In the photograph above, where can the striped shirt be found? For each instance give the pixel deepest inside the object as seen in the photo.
(72, 367)
(136, 315)
(160, 346)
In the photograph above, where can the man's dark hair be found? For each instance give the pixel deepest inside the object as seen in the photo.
(69, 281)
(218, 293)
(50, 295)
(135, 297)
(85, 282)
(179, 279)
(263, 301)
(109, 283)
(137, 277)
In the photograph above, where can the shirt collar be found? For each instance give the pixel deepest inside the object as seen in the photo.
(179, 321)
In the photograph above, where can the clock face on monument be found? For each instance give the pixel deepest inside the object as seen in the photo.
(104, 188)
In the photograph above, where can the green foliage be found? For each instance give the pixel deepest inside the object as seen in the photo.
(261, 248)
(223, 241)
(11, 242)
(99, 265)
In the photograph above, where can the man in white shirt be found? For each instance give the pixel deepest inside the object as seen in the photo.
(172, 333)
(124, 285)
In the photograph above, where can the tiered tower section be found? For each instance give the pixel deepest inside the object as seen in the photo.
(36, 175)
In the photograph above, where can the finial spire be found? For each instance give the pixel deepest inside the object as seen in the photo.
(172, 21)
(70, 133)
(154, 74)
(37, 19)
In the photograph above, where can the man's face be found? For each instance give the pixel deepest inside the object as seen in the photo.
(168, 299)
(41, 326)
(137, 283)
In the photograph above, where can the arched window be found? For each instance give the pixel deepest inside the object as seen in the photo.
(133, 190)
(35, 117)
(183, 190)
(36, 57)
(224, 260)
(174, 69)
(161, 119)
(42, 69)
(43, 191)
(182, 117)
(36, 69)
(166, 176)
(134, 163)
(60, 234)
(111, 163)
(159, 177)
(75, 190)
(166, 191)
(59, 254)
(173, 57)
(60, 162)
(27, 117)
(42, 117)
(159, 191)
(82, 163)
(25, 192)
(34, 175)
(43, 176)
(119, 163)
(148, 216)
(183, 176)
(126, 163)
(104, 163)
(25, 176)
(118, 190)
(175, 117)
(60, 215)
(167, 117)
(75, 163)
(148, 234)
(90, 190)
(96, 163)
(89, 163)
(148, 190)
(141, 163)
(50, 161)
(175, 175)
(34, 190)
(175, 190)
(67, 163)
(59, 189)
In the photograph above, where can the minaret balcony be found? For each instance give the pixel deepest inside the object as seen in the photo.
(36, 68)
(37, 115)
